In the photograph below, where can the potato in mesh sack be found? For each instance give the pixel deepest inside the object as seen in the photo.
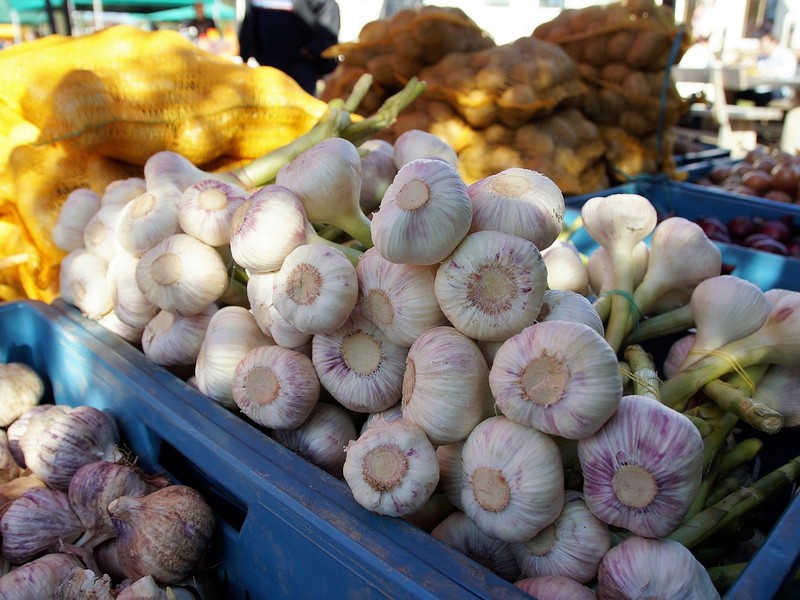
(628, 155)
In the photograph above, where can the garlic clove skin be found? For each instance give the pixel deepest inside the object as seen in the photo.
(84, 584)
(145, 588)
(276, 387)
(40, 520)
(423, 215)
(181, 275)
(79, 206)
(559, 377)
(359, 366)
(316, 288)
(446, 385)
(398, 298)
(571, 546)
(206, 210)
(492, 285)
(21, 389)
(321, 438)
(38, 578)
(653, 568)
(513, 479)
(148, 219)
(175, 340)
(555, 587)
(163, 534)
(83, 283)
(418, 143)
(519, 202)
(457, 531)
(377, 172)
(643, 468)
(391, 468)
(565, 305)
(393, 413)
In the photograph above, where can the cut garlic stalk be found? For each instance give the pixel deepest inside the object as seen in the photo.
(82, 283)
(559, 377)
(182, 275)
(321, 438)
(276, 387)
(779, 388)
(653, 568)
(418, 143)
(148, 219)
(316, 288)
(565, 305)
(359, 366)
(446, 385)
(231, 333)
(79, 206)
(377, 172)
(327, 180)
(565, 268)
(206, 210)
(21, 389)
(122, 191)
(520, 202)
(173, 340)
(643, 468)
(555, 587)
(398, 298)
(492, 285)
(423, 215)
(571, 546)
(130, 304)
(391, 469)
(459, 532)
(513, 479)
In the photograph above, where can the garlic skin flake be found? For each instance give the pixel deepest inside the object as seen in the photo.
(276, 387)
(653, 568)
(423, 215)
(316, 288)
(559, 377)
(492, 286)
(446, 385)
(643, 468)
(513, 479)
(21, 389)
(391, 468)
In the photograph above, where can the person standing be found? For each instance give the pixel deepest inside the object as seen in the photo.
(291, 35)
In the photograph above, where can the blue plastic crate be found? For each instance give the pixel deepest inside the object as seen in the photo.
(286, 529)
(692, 201)
(706, 153)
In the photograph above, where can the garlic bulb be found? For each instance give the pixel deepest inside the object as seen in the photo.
(163, 534)
(565, 268)
(37, 579)
(643, 468)
(513, 479)
(377, 172)
(276, 387)
(571, 546)
(555, 587)
(40, 520)
(145, 588)
(231, 333)
(21, 388)
(182, 275)
(173, 340)
(130, 304)
(206, 210)
(446, 385)
(492, 285)
(9, 469)
(601, 273)
(17, 428)
(519, 202)
(559, 377)
(59, 442)
(677, 354)
(148, 219)
(100, 233)
(457, 531)
(79, 206)
(112, 323)
(173, 168)
(259, 296)
(316, 288)
(393, 413)
(423, 215)
(653, 568)
(122, 191)
(398, 298)
(391, 468)
(321, 438)
(327, 180)
(82, 283)
(451, 479)
(284, 333)
(359, 366)
(84, 584)
(565, 305)
(266, 228)
(418, 143)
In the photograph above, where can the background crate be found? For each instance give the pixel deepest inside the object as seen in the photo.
(285, 529)
(707, 153)
(692, 201)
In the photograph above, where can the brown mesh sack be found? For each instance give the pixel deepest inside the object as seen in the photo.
(628, 155)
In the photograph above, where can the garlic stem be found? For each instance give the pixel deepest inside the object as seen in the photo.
(741, 454)
(673, 321)
(734, 400)
(643, 372)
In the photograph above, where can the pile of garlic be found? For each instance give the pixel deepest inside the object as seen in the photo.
(77, 518)
(467, 363)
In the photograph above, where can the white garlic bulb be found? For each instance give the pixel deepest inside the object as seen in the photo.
(122, 191)
(82, 283)
(79, 206)
(38, 578)
(206, 210)
(565, 305)
(565, 268)
(418, 143)
(130, 305)
(555, 587)
(21, 388)
(171, 340)
(148, 219)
